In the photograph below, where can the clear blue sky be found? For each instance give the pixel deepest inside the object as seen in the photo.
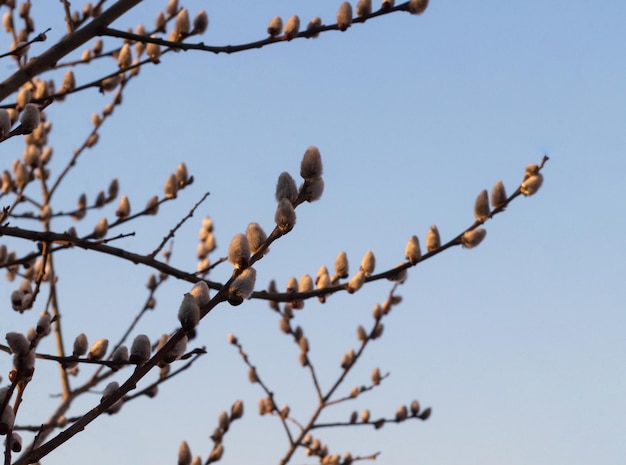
(517, 345)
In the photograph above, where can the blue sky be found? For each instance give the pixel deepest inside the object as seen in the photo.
(517, 345)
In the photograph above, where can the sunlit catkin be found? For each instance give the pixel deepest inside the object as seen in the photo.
(80, 345)
(417, 7)
(256, 237)
(368, 263)
(275, 26)
(344, 16)
(531, 184)
(5, 123)
(292, 27)
(98, 349)
(498, 195)
(341, 265)
(239, 251)
(101, 229)
(356, 282)
(363, 8)
(171, 186)
(412, 251)
(184, 454)
(153, 51)
(481, 206)
(200, 292)
(243, 285)
(124, 57)
(433, 241)
(472, 238)
(123, 209)
(181, 24)
(313, 27)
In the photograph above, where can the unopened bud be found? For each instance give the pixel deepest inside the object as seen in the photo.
(30, 118)
(341, 265)
(368, 263)
(412, 251)
(189, 313)
(98, 349)
(401, 413)
(356, 282)
(120, 355)
(109, 390)
(153, 51)
(140, 350)
(200, 292)
(417, 7)
(311, 166)
(425, 414)
(378, 330)
(243, 285)
(275, 27)
(184, 454)
(292, 27)
(532, 184)
(181, 25)
(80, 345)
(361, 334)
(365, 416)
(363, 8)
(285, 217)
(286, 187)
(239, 251)
(125, 57)
(344, 16)
(481, 206)
(415, 408)
(256, 237)
(18, 343)
(236, 411)
(101, 229)
(313, 27)
(171, 187)
(472, 238)
(123, 209)
(433, 241)
(498, 195)
(376, 376)
(200, 22)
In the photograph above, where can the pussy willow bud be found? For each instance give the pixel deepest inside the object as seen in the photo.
(43, 325)
(433, 241)
(24, 96)
(313, 27)
(236, 411)
(412, 251)
(189, 313)
(153, 51)
(361, 334)
(200, 292)
(425, 415)
(341, 265)
(368, 263)
(18, 343)
(363, 8)
(80, 345)
(101, 229)
(472, 238)
(125, 57)
(140, 350)
(30, 117)
(292, 27)
(481, 206)
(415, 408)
(120, 355)
(531, 170)
(378, 330)
(181, 24)
(417, 7)
(109, 390)
(256, 237)
(365, 416)
(275, 27)
(376, 376)
(69, 81)
(356, 282)
(216, 453)
(285, 217)
(181, 174)
(200, 22)
(232, 339)
(243, 285)
(152, 208)
(313, 190)
(286, 187)
(110, 83)
(239, 251)
(123, 209)
(344, 16)
(401, 413)
(171, 8)
(532, 184)
(306, 283)
(252, 376)
(184, 454)
(498, 195)
(7, 419)
(171, 187)
(98, 349)
(311, 166)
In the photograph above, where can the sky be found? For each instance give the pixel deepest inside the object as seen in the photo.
(518, 345)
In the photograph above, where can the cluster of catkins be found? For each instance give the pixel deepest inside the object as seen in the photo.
(344, 18)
